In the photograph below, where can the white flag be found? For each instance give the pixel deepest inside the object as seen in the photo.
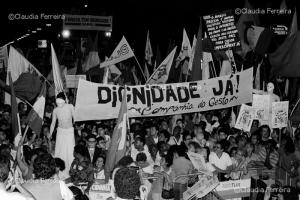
(207, 58)
(161, 74)
(186, 49)
(59, 86)
(122, 52)
(193, 53)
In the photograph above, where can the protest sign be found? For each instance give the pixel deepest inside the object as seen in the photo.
(100, 191)
(87, 22)
(101, 101)
(222, 30)
(280, 29)
(72, 80)
(234, 189)
(262, 106)
(205, 185)
(280, 112)
(197, 160)
(245, 118)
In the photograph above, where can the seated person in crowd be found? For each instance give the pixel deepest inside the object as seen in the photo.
(140, 147)
(176, 139)
(99, 169)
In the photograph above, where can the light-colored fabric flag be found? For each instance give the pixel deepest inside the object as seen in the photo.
(3, 57)
(146, 71)
(117, 148)
(186, 49)
(106, 75)
(161, 74)
(122, 52)
(254, 34)
(17, 64)
(257, 77)
(36, 115)
(283, 5)
(207, 58)
(241, 26)
(193, 53)
(148, 50)
(294, 25)
(197, 61)
(93, 56)
(57, 77)
(226, 68)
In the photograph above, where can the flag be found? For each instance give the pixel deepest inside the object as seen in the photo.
(148, 50)
(294, 25)
(186, 49)
(207, 59)
(243, 22)
(226, 68)
(157, 58)
(286, 87)
(122, 52)
(283, 5)
(15, 123)
(36, 115)
(3, 57)
(285, 61)
(257, 77)
(106, 75)
(135, 78)
(93, 56)
(161, 74)
(58, 82)
(18, 64)
(196, 66)
(117, 148)
(193, 53)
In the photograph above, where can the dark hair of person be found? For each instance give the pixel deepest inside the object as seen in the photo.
(185, 134)
(4, 168)
(231, 150)
(127, 183)
(81, 142)
(27, 152)
(140, 139)
(258, 137)
(180, 151)
(166, 134)
(265, 126)
(224, 144)
(176, 130)
(141, 157)
(99, 156)
(155, 126)
(194, 144)
(61, 95)
(202, 124)
(125, 161)
(81, 150)
(60, 164)
(44, 166)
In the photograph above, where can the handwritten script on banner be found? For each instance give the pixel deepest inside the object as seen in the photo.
(100, 101)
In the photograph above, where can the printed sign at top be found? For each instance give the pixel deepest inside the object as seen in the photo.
(87, 22)
(222, 30)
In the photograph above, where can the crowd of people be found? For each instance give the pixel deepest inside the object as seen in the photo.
(157, 156)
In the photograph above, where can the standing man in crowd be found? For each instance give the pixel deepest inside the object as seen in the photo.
(65, 140)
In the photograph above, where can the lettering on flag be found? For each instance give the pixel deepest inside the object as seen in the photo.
(101, 101)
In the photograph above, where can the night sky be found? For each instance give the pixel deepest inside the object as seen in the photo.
(165, 19)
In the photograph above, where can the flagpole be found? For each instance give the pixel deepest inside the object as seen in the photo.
(140, 67)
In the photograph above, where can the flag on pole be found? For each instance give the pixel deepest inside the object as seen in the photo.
(207, 58)
(294, 25)
(117, 148)
(59, 86)
(283, 5)
(186, 49)
(122, 52)
(193, 53)
(148, 50)
(36, 115)
(15, 121)
(161, 74)
(157, 58)
(244, 20)
(106, 75)
(197, 65)
(3, 57)
(257, 77)
(93, 56)
(17, 65)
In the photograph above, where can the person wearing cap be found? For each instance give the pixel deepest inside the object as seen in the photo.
(65, 140)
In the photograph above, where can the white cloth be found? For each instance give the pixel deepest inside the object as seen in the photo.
(66, 193)
(173, 141)
(99, 175)
(11, 195)
(223, 162)
(64, 146)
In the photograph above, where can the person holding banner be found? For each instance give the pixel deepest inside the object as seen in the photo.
(65, 140)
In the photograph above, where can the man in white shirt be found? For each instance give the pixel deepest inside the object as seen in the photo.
(140, 147)
(220, 160)
(4, 172)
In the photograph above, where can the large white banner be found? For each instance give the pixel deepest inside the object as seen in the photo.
(101, 101)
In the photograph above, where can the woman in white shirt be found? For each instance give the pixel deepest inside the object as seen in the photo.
(99, 168)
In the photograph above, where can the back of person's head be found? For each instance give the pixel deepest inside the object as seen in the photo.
(166, 134)
(81, 150)
(4, 168)
(176, 130)
(127, 183)
(60, 164)
(180, 151)
(61, 95)
(125, 161)
(44, 166)
(141, 157)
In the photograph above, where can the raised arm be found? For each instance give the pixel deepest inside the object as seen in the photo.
(54, 117)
